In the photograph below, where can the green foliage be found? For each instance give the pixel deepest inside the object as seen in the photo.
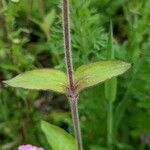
(94, 73)
(41, 79)
(24, 46)
(89, 39)
(57, 137)
(111, 85)
(15, 1)
(46, 23)
(110, 89)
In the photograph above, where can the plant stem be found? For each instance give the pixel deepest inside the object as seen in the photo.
(76, 122)
(67, 43)
(69, 66)
(110, 125)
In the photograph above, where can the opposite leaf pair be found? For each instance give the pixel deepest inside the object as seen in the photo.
(55, 80)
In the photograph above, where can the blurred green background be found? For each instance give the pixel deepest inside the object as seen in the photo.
(31, 37)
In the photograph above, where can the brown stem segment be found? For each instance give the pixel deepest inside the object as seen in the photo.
(69, 66)
(67, 43)
(76, 122)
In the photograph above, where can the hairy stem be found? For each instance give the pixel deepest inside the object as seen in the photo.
(69, 66)
(110, 125)
(67, 43)
(76, 122)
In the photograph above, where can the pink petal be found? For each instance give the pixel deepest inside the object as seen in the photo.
(29, 147)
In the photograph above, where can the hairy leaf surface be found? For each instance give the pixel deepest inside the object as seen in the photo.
(94, 73)
(40, 79)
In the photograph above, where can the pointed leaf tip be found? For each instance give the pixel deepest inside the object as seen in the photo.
(40, 79)
(94, 73)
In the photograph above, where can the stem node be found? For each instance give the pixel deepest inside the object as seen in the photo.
(69, 66)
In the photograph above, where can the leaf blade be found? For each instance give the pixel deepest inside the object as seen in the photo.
(94, 73)
(58, 138)
(50, 17)
(40, 79)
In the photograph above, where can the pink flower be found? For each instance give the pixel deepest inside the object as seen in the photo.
(29, 147)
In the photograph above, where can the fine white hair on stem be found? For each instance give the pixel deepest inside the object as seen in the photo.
(69, 67)
(67, 42)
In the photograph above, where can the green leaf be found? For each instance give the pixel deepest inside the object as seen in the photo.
(97, 147)
(15, 1)
(94, 73)
(50, 17)
(111, 85)
(9, 67)
(57, 137)
(36, 21)
(41, 79)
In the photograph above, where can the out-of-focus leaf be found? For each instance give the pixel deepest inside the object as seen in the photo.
(94, 73)
(50, 17)
(123, 146)
(10, 67)
(46, 23)
(110, 85)
(58, 117)
(97, 147)
(57, 137)
(40, 79)
(144, 104)
(36, 21)
(15, 1)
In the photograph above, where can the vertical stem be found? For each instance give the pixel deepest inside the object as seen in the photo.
(67, 43)
(76, 122)
(110, 125)
(69, 67)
